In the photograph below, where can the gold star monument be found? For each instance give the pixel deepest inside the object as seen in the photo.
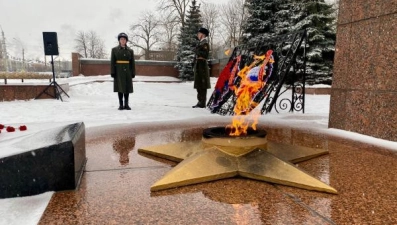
(218, 156)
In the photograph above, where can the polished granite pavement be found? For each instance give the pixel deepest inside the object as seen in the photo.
(115, 188)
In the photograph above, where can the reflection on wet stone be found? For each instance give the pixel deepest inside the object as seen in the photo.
(238, 200)
(223, 161)
(123, 146)
(256, 168)
(191, 134)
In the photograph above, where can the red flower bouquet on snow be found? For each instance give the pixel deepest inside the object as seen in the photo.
(12, 129)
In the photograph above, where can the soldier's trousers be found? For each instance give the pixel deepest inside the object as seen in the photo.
(201, 96)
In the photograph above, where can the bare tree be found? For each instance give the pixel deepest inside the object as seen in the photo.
(175, 6)
(145, 33)
(100, 51)
(209, 14)
(82, 43)
(90, 45)
(93, 42)
(233, 17)
(169, 30)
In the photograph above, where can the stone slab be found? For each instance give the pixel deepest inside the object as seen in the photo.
(51, 160)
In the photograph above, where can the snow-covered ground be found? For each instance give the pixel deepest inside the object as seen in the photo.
(95, 104)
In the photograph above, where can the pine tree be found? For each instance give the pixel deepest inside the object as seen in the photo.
(317, 17)
(268, 18)
(188, 41)
(282, 17)
(260, 20)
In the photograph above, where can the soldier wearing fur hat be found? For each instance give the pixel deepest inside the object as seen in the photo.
(201, 69)
(122, 64)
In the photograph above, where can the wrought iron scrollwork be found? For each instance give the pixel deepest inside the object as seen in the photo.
(289, 73)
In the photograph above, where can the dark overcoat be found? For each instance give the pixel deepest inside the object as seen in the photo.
(201, 69)
(122, 64)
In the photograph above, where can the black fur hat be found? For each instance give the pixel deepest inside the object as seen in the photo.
(204, 31)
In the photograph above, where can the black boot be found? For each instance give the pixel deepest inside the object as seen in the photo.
(121, 101)
(201, 97)
(199, 106)
(126, 106)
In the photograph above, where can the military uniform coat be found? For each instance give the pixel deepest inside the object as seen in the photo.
(122, 64)
(201, 69)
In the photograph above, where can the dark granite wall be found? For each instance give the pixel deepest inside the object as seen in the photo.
(364, 89)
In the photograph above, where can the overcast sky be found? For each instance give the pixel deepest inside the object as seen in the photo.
(25, 20)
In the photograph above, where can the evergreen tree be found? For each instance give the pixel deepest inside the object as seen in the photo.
(268, 18)
(188, 41)
(260, 20)
(285, 10)
(317, 17)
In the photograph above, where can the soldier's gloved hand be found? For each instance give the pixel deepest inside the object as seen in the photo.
(113, 75)
(133, 75)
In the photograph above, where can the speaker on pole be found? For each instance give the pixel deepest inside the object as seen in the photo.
(51, 48)
(50, 40)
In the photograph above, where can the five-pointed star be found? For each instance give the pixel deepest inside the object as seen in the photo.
(199, 164)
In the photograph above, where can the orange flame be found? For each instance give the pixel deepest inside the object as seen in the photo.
(245, 93)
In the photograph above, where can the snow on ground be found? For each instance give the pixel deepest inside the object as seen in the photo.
(24, 210)
(93, 102)
(96, 104)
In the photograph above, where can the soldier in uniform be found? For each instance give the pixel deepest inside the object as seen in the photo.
(122, 66)
(201, 69)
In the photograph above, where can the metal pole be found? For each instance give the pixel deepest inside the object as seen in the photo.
(53, 78)
(304, 69)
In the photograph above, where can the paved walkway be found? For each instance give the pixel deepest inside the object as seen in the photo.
(115, 188)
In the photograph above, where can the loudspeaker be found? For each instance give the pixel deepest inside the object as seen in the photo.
(50, 40)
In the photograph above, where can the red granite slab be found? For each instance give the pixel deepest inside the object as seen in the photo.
(121, 195)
